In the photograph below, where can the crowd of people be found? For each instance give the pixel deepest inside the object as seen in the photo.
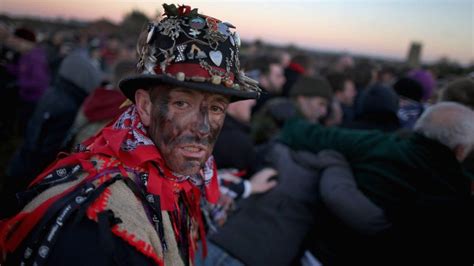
(334, 163)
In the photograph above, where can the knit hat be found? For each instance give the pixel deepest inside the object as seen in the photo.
(190, 50)
(379, 99)
(461, 91)
(409, 88)
(427, 81)
(312, 86)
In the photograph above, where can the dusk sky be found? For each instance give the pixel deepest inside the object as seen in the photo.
(372, 27)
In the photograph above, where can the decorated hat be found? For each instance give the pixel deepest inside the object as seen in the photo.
(190, 50)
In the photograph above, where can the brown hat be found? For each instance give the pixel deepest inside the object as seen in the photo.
(312, 86)
(461, 91)
(191, 50)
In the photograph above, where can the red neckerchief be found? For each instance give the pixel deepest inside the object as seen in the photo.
(127, 140)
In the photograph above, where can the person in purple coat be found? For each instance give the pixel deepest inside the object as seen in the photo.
(31, 72)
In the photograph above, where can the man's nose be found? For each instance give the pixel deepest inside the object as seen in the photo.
(202, 126)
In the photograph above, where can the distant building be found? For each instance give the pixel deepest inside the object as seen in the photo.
(414, 55)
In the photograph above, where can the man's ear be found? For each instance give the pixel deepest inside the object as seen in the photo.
(460, 151)
(143, 104)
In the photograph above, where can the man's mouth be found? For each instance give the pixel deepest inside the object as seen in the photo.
(194, 150)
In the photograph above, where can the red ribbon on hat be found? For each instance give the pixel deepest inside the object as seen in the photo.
(191, 70)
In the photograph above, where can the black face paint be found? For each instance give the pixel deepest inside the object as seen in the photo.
(184, 133)
(204, 126)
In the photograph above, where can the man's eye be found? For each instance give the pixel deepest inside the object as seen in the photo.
(217, 109)
(181, 104)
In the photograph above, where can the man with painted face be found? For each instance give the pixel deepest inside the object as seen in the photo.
(132, 194)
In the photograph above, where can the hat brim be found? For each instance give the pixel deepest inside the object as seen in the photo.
(129, 85)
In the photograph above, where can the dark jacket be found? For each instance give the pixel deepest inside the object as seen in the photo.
(378, 110)
(417, 181)
(268, 229)
(234, 147)
(268, 121)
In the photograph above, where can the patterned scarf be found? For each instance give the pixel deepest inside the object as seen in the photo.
(127, 140)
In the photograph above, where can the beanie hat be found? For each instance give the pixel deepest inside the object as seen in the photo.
(311, 87)
(427, 81)
(409, 88)
(379, 99)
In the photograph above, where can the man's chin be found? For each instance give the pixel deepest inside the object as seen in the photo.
(189, 167)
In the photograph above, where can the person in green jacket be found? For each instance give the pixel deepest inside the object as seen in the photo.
(417, 180)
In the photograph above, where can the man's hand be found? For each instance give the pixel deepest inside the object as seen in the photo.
(261, 182)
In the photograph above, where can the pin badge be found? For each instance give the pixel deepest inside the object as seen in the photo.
(223, 29)
(196, 53)
(197, 23)
(211, 23)
(216, 57)
(180, 56)
(194, 32)
(201, 55)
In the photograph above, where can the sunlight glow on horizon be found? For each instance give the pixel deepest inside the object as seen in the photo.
(445, 28)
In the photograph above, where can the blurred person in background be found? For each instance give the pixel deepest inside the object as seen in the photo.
(343, 64)
(111, 52)
(309, 99)
(364, 74)
(387, 76)
(47, 129)
(300, 64)
(240, 171)
(417, 180)
(378, 110)
(101, 106)
(269, 73)
(235, 136)
(285, 58)
(334, 116)
(461, 90)
(8, 87)
(427, 81)
(344, 93)
(56, 49)
(410, 93)
(31, 72)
